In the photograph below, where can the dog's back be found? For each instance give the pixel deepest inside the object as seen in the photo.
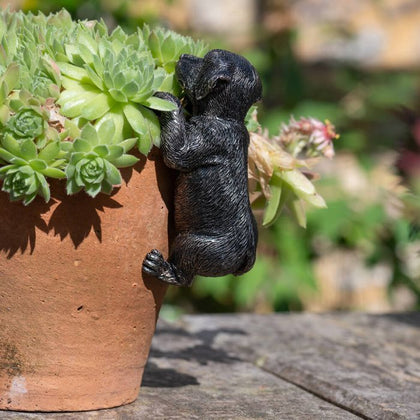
(212, 199)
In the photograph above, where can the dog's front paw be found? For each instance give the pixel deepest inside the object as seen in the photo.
(168, 97)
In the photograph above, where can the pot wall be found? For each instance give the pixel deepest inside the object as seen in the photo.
(76, 315)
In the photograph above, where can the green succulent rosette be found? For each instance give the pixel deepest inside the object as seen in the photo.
(27, 123)
(166, 47)
(111, 79)
(93, 164)
(24, 183)
(91, 172)
(24, 174)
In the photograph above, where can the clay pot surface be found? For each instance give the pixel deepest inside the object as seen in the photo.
(76, 315)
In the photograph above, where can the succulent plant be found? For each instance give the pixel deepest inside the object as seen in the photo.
(24, 174)
(166, 47)
(75, 99)
(111, 79)
(94, 161)
(26, 123)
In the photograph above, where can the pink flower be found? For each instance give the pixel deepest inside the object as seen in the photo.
(308, 137)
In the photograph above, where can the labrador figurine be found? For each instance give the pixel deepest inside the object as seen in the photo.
(216, 232)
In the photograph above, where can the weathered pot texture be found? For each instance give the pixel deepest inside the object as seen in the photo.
(76, 315)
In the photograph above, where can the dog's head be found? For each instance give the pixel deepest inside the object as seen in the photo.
(221, 84)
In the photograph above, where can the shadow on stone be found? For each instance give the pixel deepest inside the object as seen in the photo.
(156, 377)
(201, 353)
(198, 347)
(410, 318)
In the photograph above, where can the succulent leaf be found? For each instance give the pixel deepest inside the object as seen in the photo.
(90, 135)
(93, 189)
(302, 187)
(6, 156)
(113, 175)
(116, 115)
(10, 144)
(145, 144)
(11, 76)
(107, 187)
(114, 152)
(152, 126)
(49, 152)
(28, 150)
(125, 161)
(130, 89)
(4, 114)
(118, 95)
(38, 165)
(96, 107)
(53, 173)
(101, 150)
(135, 118)
(160, 104)
(75, 106)
(93, 76)
(128, 144)
(80, 145)
(298, 212)
(273, 207)
(44, 188)
(86, 54)
(74, 72)
(106, 132)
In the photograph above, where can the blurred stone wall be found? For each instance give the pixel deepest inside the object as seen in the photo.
(373, 33)
(232, 20)
(369, 33)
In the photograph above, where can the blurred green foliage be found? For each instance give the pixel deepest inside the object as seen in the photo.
(362, 104)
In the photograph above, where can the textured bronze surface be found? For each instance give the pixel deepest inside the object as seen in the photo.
(216, 232)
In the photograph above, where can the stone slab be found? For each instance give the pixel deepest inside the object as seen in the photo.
(367, 364)
(190, 376)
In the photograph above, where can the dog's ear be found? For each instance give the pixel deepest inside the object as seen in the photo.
(216, 81)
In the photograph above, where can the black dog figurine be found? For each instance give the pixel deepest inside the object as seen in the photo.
(216, 233)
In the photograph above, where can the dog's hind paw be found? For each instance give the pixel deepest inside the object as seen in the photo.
(153, 263)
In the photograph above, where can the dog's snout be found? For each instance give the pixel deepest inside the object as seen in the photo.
(189, 60)
(186, 71)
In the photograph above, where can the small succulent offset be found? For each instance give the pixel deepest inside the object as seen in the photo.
(76, 100)
(279, 167)
(166, 48)
(94, 160)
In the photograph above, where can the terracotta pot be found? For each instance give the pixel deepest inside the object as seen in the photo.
(76, 315)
